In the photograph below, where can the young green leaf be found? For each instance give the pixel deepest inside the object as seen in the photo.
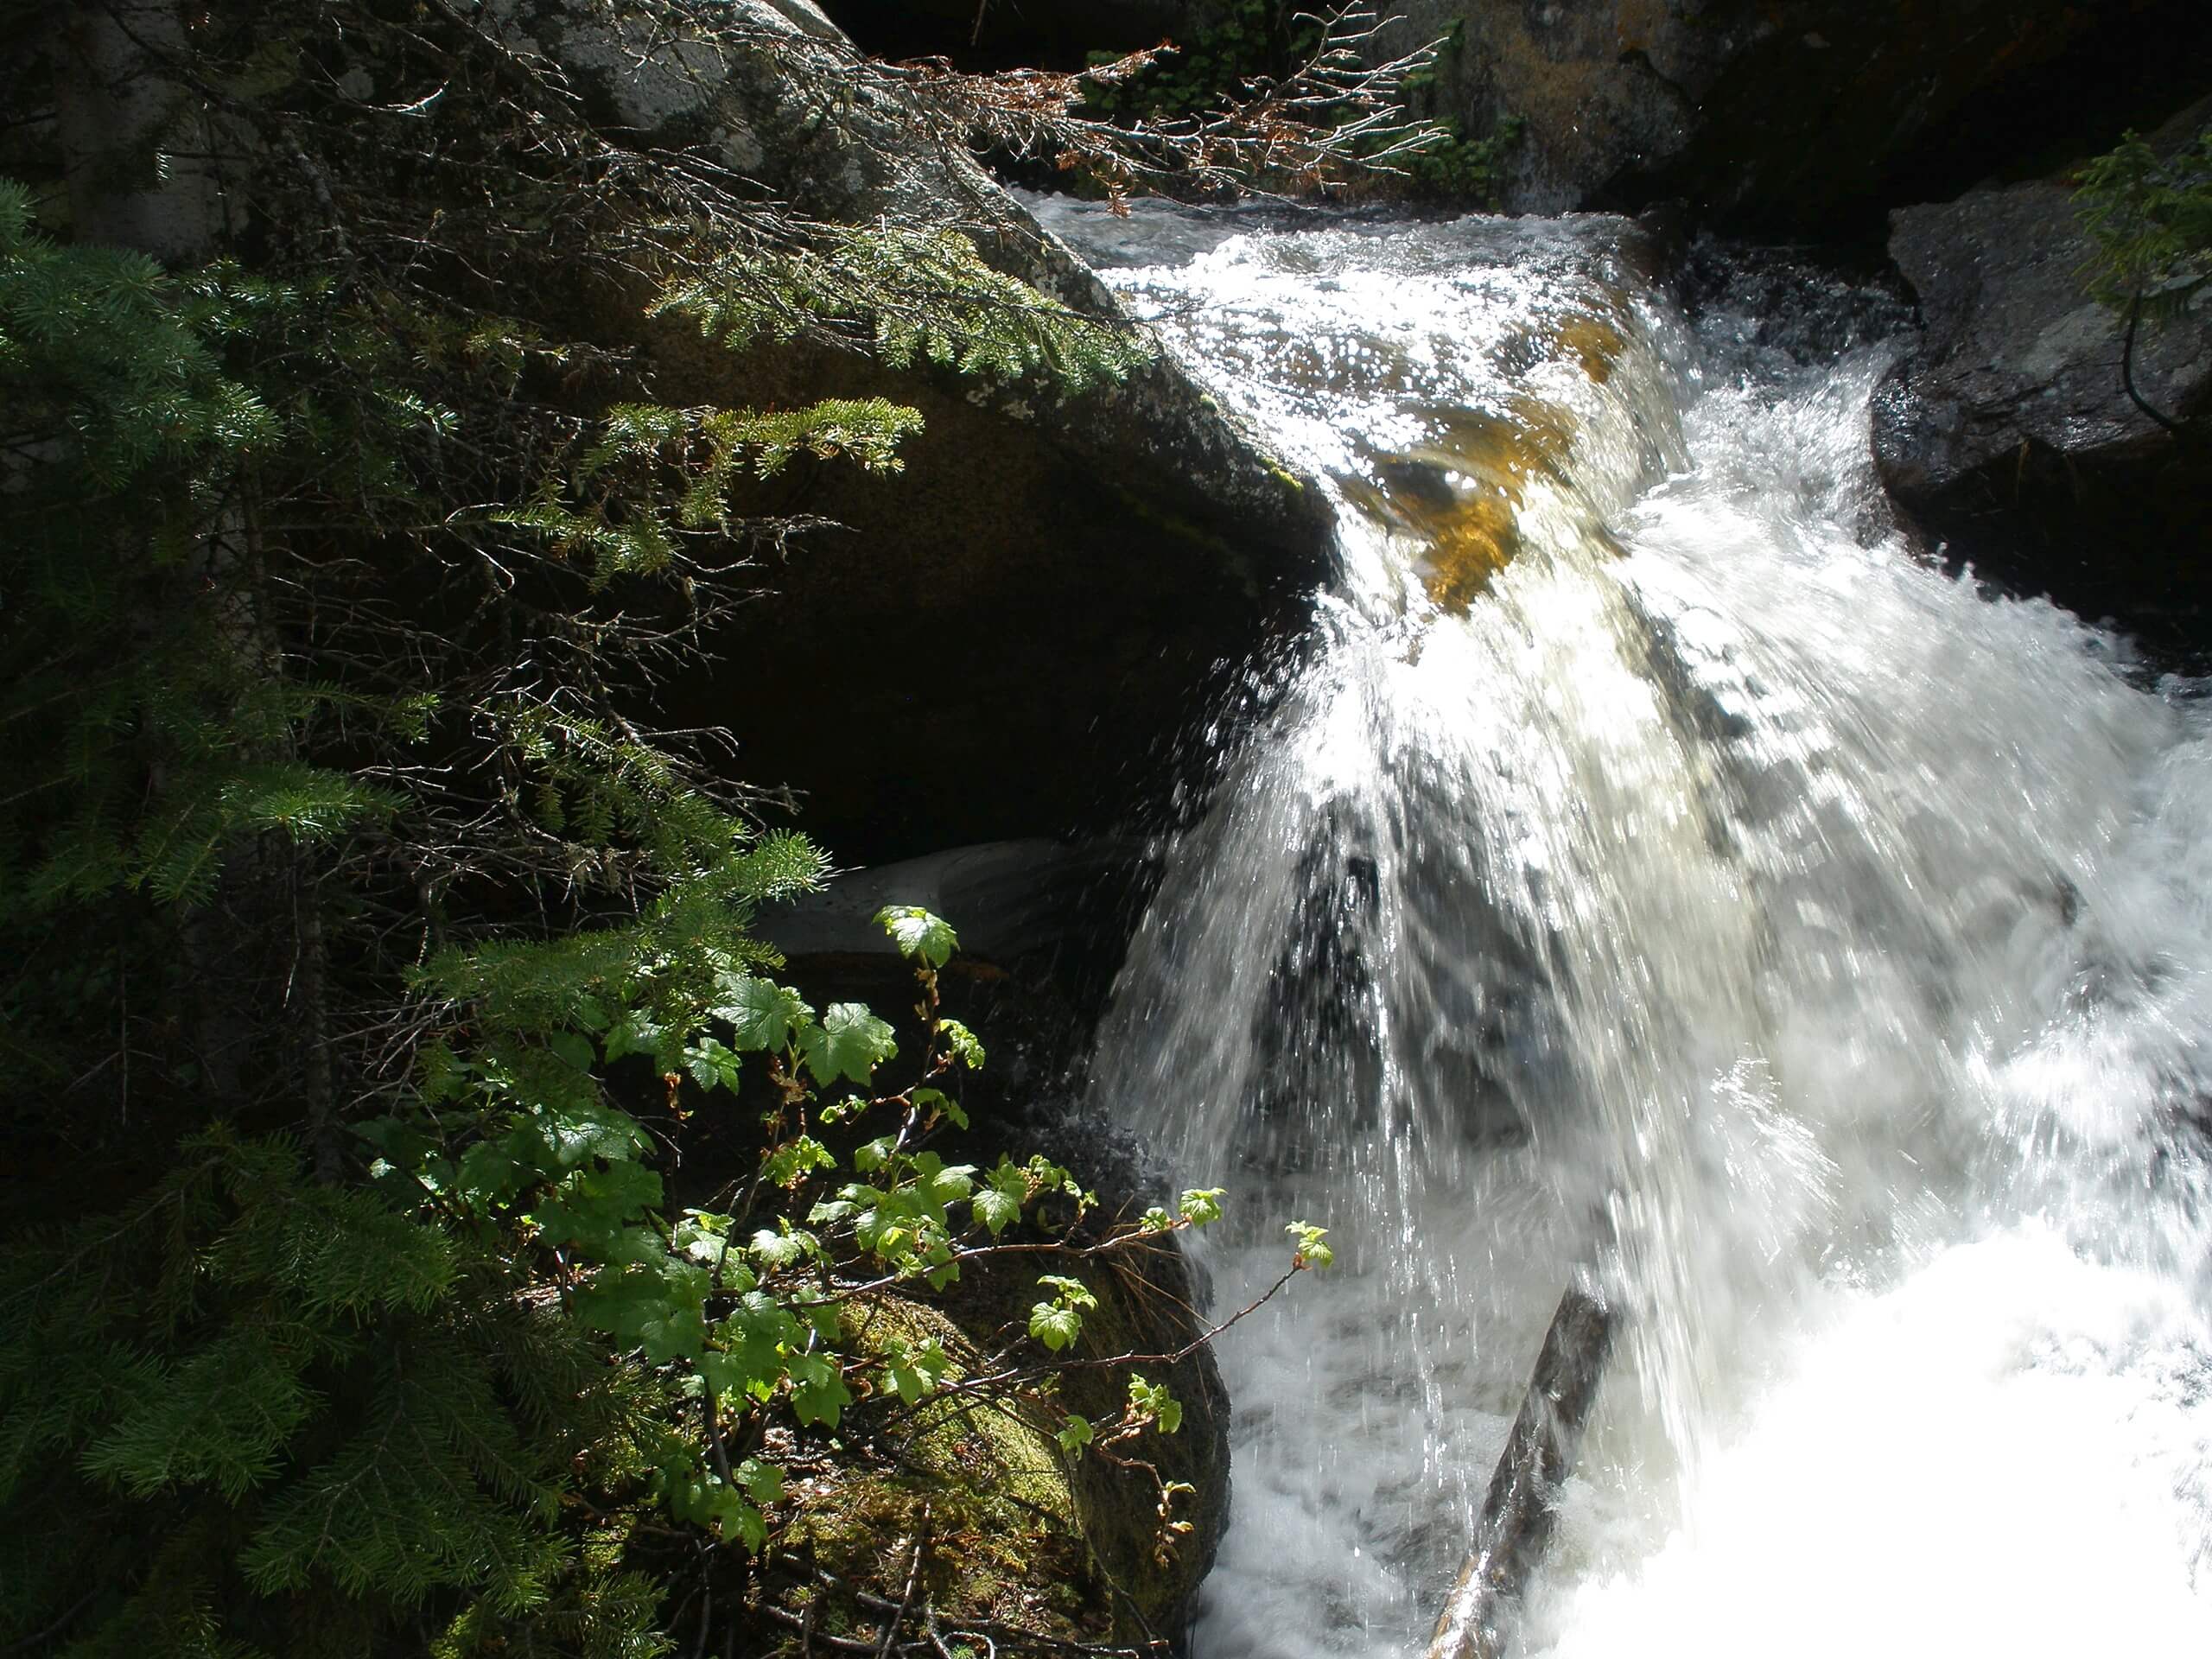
(920, 936)
(1155, 1401)
(936, 1104)
(961, 1044)
(712, 1065)
(1055, 1325)
(793, 1161)
(1201, 1205)
(996, 1210)
(1072, 1292)
(1306, 1243)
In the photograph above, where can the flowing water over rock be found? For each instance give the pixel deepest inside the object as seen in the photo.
(1648, 863)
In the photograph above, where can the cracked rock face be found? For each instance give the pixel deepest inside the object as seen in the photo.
(1034, 607)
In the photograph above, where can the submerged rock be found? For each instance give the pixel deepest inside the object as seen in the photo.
(1015, 624)
(2010, 433)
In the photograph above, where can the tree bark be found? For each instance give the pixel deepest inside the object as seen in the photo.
(1516, 1524)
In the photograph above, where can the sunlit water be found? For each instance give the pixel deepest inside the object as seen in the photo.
(1723, 898)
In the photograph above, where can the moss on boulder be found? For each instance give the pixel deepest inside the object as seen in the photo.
(1014, 1537)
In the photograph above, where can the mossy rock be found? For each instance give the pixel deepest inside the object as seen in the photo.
(1015, 1536)
(982, 1489)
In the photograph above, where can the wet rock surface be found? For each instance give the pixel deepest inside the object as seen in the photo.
(1015, 625)
(2010, 433)
(2015, 354)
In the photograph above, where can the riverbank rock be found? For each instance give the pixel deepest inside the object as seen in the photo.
(1004, 636)
(2009, 432)
(1784, 114)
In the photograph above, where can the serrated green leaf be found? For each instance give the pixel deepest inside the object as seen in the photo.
(919, 936)
(763, 1482)
(848, 1043)
(1055, 1325)
(773, 1250)
(1073, 1292)
(819, 1395)
(1202, 1205)
(995, 1210)
(660, 1312)
(1307, 1245)
(761, 1014)
(591, 1206)
(1157, 1401)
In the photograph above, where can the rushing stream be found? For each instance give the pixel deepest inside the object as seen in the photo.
(1648, 863)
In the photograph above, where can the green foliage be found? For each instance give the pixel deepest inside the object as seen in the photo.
(613, 510)
(2151, 219)
(1154, 1402)
(1308, 1241)
(1466, 168)
(522, 1140)
(345, 863)
(919, 936)
(338, 1390)
(912, 296)
(1058, 1322)
(1246, 40)
(116, 369)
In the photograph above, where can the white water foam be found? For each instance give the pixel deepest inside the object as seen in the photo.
(1727, 899)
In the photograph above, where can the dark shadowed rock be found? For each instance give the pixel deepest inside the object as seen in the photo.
(1784, 113)
(1004, 636)
(2009, 432)
(2015, 354)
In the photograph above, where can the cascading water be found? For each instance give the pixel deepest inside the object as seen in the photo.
(1649, 863)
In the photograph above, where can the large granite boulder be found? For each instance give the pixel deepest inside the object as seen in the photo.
(1003, 637)
(2010, 433)
(1781, 113)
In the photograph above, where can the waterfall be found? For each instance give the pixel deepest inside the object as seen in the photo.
(1647, 863)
